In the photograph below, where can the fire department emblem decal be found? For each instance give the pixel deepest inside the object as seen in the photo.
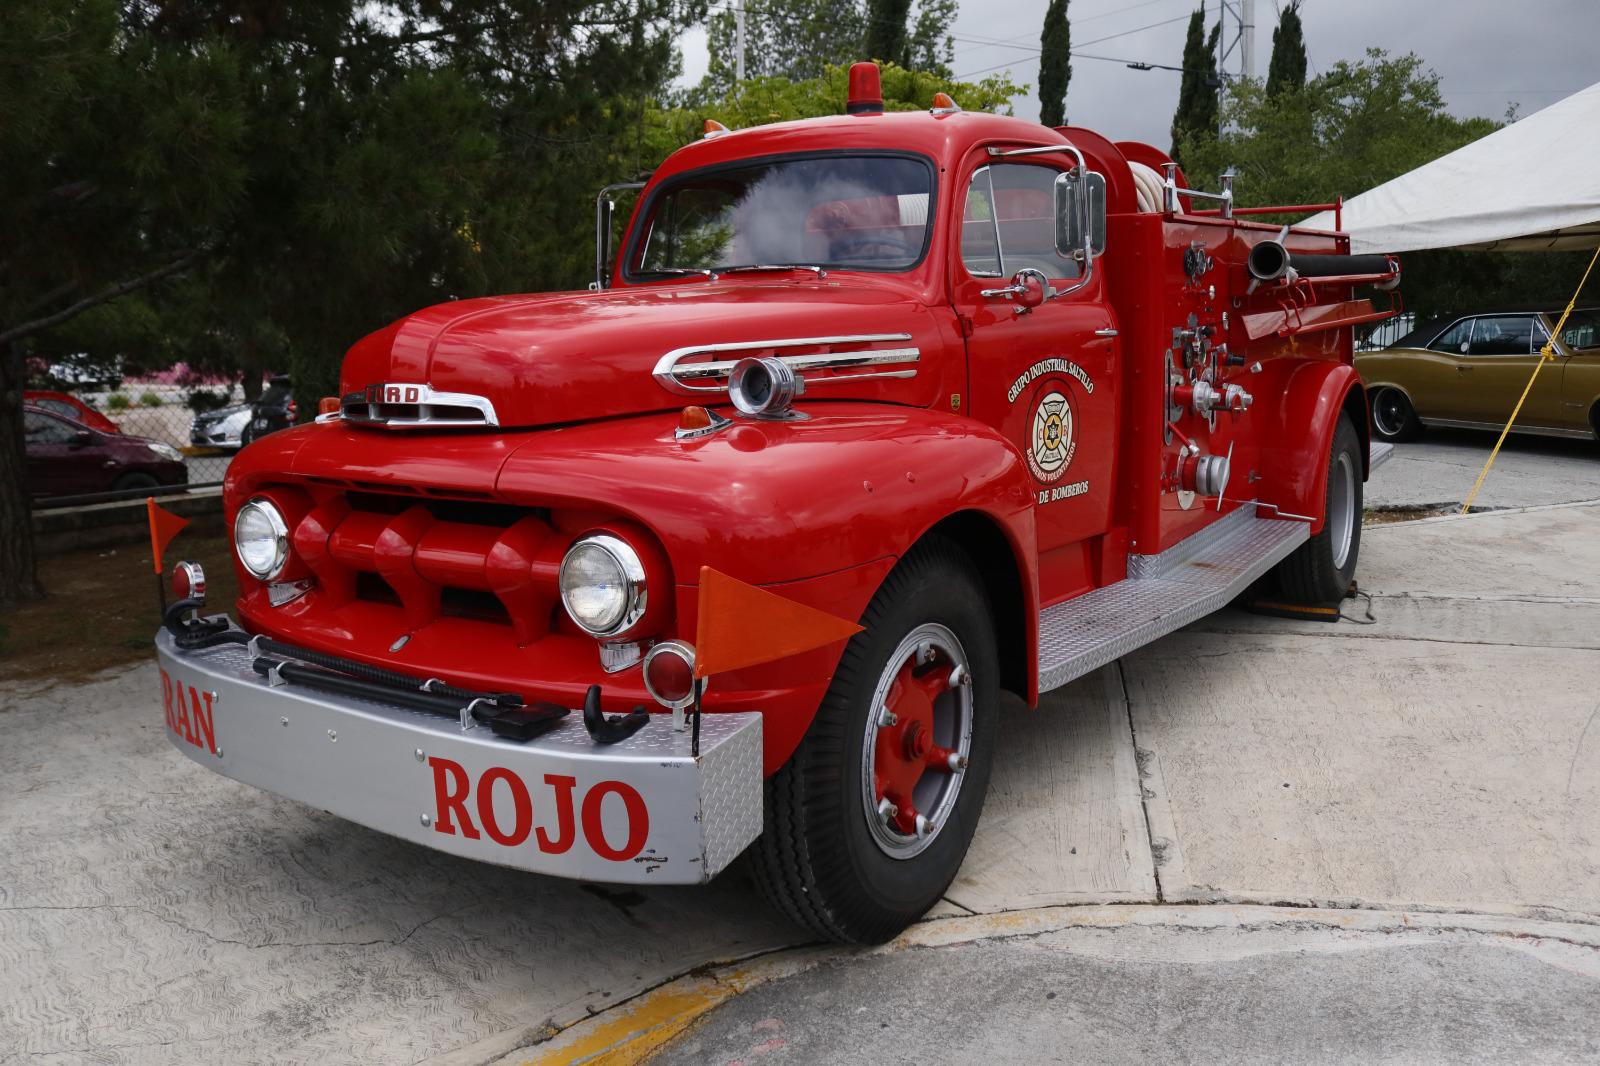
(1052, 441)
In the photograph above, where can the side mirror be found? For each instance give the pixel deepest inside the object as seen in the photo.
(81, 439)
(1080, 197)
(604, 206)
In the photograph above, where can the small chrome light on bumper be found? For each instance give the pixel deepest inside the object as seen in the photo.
(669, 674)
(189, 582)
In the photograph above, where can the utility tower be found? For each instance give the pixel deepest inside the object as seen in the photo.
(738, 37)
(1238, 35)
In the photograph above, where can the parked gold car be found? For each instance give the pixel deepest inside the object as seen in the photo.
(1467, 371)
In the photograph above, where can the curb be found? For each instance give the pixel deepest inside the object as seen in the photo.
(632, 1031)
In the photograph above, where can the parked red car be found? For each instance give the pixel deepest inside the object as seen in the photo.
(66, 458)
(63, 403)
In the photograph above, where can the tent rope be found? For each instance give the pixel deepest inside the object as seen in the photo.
(1546, 354)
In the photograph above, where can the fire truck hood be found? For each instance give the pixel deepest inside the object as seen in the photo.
(571, 357)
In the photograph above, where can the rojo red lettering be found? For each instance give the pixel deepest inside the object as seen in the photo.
(638, 821)
(451, 798)
(391, 394)
(562, 786)
(412, 394)
(521, 803)
(166, 701)
(204, 728)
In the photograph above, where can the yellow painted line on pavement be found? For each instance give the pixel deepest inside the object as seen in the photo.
(646, 1025)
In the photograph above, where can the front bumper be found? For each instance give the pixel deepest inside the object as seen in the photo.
(640, 811)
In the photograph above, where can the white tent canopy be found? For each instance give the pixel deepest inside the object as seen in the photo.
(1531, 186)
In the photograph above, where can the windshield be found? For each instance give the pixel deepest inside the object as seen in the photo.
(838, 212)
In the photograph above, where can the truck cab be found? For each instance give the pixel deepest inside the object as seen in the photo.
(1002, 401)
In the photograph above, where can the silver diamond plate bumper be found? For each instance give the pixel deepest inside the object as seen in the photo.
(641, 811)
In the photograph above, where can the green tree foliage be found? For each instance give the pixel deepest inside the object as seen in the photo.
(800, 39)
(1287, 70)
(760, 101)
(247, 183)
(1352, 128)
(1196, 117)
(1055, 64)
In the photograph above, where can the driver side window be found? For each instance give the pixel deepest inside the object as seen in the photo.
(1009, 223)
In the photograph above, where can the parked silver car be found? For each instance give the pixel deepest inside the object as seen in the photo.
(222, 428)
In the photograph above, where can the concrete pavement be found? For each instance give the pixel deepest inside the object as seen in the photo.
(1438, 469)
(1123, 985)
(1446, 758)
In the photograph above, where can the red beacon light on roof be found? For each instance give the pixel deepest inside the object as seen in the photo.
(943, 104)
(866, 90)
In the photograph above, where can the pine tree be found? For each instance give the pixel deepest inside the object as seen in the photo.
(1055, 64)
(1287, 71)
(1196, 116)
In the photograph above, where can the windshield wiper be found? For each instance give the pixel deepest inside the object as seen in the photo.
(752, 267)
(710, 274)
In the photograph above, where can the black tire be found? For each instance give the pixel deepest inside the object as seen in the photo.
(1321, 569)
(1393, 417)
(136, 479)
(818, 861)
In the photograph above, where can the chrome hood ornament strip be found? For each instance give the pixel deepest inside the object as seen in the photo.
(398, 405)
(677, 373)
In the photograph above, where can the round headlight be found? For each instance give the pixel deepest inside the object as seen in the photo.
(261, 537)
(603, 584)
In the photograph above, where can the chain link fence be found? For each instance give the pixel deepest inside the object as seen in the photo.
(92, 442)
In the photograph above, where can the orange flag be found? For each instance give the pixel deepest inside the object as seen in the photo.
(164, 525)
(740, 625)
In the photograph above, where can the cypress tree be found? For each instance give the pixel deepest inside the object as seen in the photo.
(1055, 64)
(1196, 115)
(886, 30)
(1288, 67)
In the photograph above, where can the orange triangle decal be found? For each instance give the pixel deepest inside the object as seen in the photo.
(740, 625)
(164, 525)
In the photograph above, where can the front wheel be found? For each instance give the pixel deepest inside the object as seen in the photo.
(1321, 569)
(868, 822)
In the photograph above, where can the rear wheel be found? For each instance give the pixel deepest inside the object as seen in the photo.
(1321, 569)
(868, 822)
(1393, 418)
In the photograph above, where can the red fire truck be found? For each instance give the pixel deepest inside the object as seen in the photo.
(1016, 400)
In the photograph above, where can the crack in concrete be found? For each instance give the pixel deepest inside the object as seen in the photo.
(1158, 850)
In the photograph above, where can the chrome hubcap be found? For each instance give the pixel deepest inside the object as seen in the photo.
(1342, 509)
(1389, 412)
(917, 741)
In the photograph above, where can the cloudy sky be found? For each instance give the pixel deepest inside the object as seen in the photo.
(1489, 53)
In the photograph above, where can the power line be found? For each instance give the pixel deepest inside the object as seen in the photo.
(1097, 40)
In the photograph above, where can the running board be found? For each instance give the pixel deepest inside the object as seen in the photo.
(1378, 455)
(1164, 592)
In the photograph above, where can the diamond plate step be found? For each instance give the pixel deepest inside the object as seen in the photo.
(1162, 593)
(1379, 454)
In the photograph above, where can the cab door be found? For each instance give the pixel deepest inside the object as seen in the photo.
(1045, 376)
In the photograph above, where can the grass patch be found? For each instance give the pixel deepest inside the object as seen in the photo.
(101, 610)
